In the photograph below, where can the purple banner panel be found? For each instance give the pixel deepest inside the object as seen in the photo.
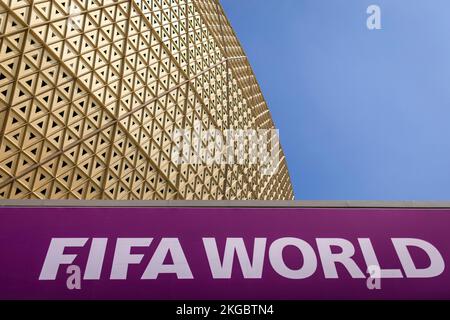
(224, 253)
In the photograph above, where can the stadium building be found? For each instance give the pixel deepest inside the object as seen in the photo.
(91, 93)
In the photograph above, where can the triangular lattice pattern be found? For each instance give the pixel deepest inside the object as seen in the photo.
(91, 92)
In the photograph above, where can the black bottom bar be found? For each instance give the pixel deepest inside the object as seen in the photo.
(224, 309)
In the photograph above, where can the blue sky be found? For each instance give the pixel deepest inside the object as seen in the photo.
(363, 115)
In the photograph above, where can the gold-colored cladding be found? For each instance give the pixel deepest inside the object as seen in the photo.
(92, 91)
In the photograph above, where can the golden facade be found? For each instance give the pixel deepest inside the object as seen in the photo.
(91, 92)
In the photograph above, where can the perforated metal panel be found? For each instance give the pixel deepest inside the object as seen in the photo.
(92, 91)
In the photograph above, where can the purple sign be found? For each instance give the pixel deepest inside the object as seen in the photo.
(224, 253)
